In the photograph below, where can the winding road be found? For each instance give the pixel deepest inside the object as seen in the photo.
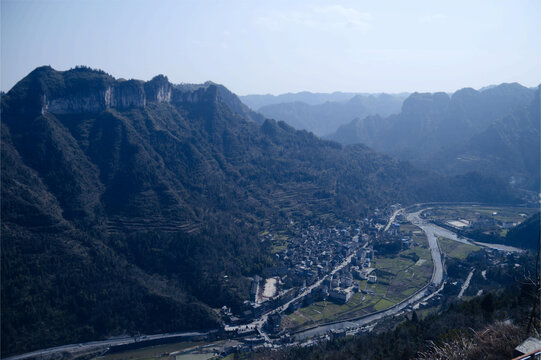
(92, 346)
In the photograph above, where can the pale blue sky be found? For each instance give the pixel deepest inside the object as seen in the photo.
(281, 46)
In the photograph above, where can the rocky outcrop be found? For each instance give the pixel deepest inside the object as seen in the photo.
(84, 90)
(127, 94)
(210, 92)
(121, 95)
(93, 102)
(158, 89)
(105, 93)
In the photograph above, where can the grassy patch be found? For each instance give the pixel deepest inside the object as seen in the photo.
(393, 265)
(409, 291)
(327, 311)
(408, 275)
(456, 249)
(407, 229)
(383, 304)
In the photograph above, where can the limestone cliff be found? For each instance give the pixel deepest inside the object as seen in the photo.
(121, 94)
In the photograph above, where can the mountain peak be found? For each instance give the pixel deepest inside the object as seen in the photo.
(426, 102)
(86, 90)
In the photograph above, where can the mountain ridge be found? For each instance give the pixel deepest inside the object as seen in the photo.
(434, 127)
(324, 118)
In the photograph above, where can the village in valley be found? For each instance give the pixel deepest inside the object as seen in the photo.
(331, 282)
(325, 275)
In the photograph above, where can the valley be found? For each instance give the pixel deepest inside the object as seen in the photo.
(410, 280)
(153, 199)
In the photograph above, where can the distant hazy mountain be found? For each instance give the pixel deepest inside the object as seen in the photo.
(509, 147)
(255, 102)
(492, 130)
(125, 203)
(324, 119)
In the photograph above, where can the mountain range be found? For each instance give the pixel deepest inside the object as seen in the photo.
(131, 206)
(495, 131)
(325, 118)
(255, 102)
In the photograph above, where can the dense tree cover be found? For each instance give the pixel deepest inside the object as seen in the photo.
(67, 287)
(131, 206)
(526, 234)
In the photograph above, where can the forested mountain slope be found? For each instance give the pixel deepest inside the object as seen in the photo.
(125, 203)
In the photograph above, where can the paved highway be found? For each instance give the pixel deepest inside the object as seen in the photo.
(432, 232)
(96, 345)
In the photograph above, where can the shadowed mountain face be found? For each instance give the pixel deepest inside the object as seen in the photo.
(495, 131)
(125, 203)
(526, 234)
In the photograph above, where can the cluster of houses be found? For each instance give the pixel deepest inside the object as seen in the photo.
(309, 257)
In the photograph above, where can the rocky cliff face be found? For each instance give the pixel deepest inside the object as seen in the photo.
(158, 89)
(120, 95)
(83, 90)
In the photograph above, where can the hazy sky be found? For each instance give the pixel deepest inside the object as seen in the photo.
(281, 46)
